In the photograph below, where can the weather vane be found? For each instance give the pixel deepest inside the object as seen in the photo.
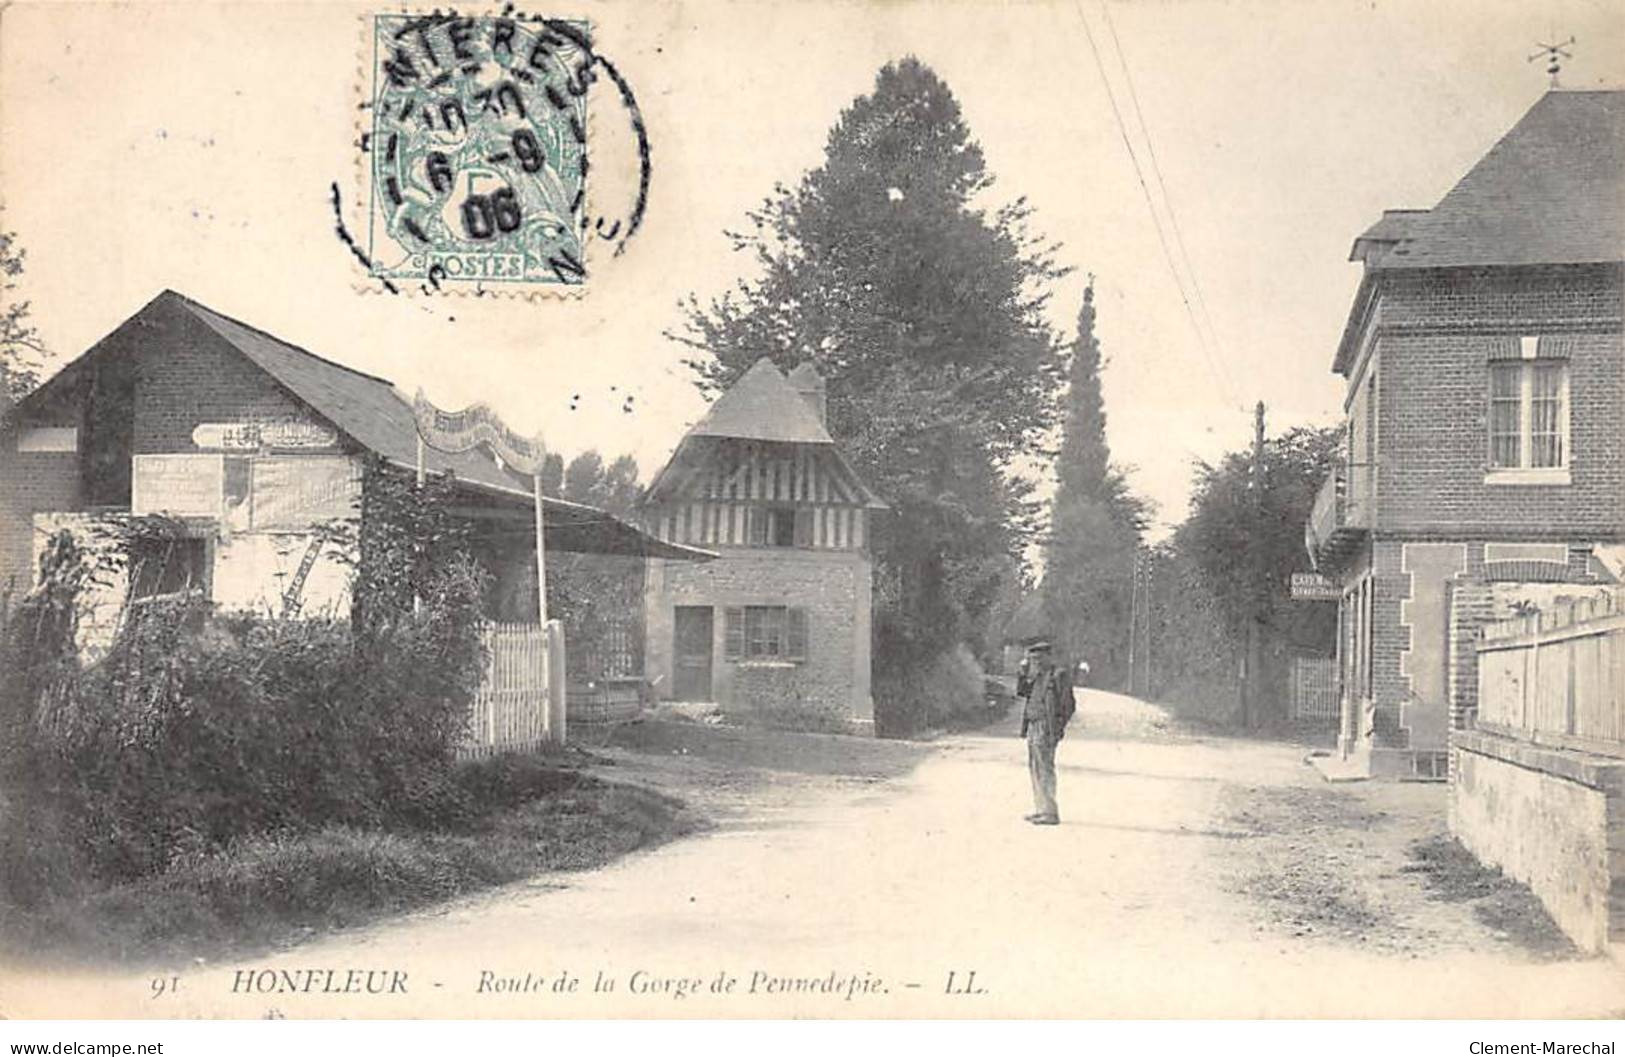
(1554, 54)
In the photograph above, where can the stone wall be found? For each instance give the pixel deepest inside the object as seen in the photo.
(834, 587)
(1551, 818)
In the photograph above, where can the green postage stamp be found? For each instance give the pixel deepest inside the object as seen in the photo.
(476, 156)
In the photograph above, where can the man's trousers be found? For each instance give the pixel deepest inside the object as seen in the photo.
(1041, 765)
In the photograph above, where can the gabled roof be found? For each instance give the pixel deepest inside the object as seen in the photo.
(1552, 191)
(763, 405)
(372, 413)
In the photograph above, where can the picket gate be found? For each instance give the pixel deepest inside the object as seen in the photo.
(510, 710)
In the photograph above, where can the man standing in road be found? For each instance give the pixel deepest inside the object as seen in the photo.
(1044, 716)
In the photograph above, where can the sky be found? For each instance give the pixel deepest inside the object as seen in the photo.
(193, 147)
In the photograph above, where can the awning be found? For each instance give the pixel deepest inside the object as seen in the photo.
(571, 528)
(575, 529)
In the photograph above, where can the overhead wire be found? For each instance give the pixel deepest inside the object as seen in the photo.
(1156, 220)
(1167, 199)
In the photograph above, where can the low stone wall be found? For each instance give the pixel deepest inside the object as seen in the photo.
(1551, 818)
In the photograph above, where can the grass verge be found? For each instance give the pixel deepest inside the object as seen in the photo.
(268, 891)
(1452, 874)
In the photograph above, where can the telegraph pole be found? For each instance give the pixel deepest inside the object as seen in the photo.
(1150, 604)
(1251, 711)
(1133, 617)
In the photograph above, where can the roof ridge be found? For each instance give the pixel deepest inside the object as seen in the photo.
(196, 306)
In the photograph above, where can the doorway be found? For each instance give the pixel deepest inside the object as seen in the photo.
(691, 674)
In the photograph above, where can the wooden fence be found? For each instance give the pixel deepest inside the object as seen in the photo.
(510, 712)
(1314, 689)
(1558, 677)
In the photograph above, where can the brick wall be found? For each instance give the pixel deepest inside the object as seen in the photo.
(1390, 639)
(29, 482)
(1437, 333)
(186, 376)
(835, 589)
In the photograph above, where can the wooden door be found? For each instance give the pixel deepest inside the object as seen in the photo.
(691, 669)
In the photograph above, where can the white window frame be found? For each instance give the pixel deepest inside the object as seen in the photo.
(1525, 472)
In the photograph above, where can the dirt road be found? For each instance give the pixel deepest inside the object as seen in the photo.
(1192, 877)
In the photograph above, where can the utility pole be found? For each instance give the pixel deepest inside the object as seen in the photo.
(1150, 610)
(1133, 617)
(1251, 710)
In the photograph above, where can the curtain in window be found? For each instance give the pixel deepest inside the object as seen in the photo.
(1545, 416)
(1506, 406)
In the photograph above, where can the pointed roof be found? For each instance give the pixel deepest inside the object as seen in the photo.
(372, 413)
(1552, 191)
(805, 376)
(763, 405)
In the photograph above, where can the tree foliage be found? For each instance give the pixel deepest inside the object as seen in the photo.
(1096, 524)
(1248, 546)
(925, 314)
(1244, 546)
(20, 346)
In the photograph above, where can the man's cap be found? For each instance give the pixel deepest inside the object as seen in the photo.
(1038, 646)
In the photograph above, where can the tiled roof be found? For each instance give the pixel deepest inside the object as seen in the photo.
(1552, 191)
(1394, 226)
(763, 405)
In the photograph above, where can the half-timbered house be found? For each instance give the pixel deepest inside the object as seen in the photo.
(781, 620)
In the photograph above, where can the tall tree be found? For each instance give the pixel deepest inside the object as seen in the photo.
(925, 314)
(20, 345)
(1096, 523)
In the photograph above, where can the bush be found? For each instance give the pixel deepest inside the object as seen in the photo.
(196, 729)
(943, 690)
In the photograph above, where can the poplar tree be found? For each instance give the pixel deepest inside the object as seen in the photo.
(1096, 523)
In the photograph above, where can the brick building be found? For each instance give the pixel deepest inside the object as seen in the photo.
(781, 619)
(1484, 468)
(256, 447)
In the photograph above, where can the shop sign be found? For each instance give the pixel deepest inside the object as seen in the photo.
(278, 435)
(1315, 587)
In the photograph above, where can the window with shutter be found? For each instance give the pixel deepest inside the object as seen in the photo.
(734, 633)
(796, 634)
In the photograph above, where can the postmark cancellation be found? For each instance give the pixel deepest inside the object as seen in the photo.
(475, 150)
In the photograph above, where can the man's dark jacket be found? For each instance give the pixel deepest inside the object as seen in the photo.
(1049, 695)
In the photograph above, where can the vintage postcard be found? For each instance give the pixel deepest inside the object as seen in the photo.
(838, 509)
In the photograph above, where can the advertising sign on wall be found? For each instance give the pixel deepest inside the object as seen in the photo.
(179, 485)
(298, 491)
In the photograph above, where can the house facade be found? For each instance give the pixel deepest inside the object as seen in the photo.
(255, 449)
(781, 619)
(1483, 471)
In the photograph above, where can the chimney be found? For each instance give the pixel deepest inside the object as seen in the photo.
(810, 384)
